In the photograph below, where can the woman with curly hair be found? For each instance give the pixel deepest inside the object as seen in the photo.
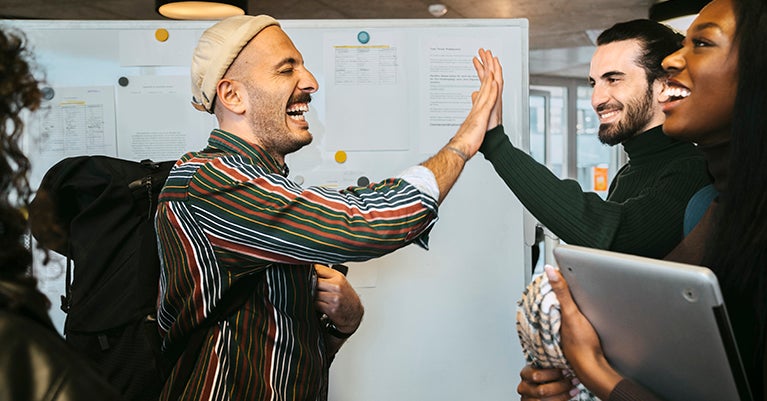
(35, 362)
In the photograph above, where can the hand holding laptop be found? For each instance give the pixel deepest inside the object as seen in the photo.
(580, 341)
(646, 327)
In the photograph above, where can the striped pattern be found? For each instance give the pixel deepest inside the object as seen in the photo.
(230, 211)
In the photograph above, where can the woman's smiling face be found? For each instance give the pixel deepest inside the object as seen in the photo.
(703, 78)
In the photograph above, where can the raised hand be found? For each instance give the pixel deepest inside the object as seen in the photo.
(471, 133)
(487, 62)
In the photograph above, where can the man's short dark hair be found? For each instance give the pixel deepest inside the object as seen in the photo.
(657, 41)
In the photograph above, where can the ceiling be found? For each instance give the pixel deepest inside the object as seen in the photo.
(561, 31)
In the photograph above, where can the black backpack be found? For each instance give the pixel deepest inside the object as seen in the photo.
(104, 208)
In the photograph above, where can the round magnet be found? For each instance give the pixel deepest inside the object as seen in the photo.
(363, 37)
(340, 156)
(363, 181)
(161, 35)
(123, 81)
(48, 92)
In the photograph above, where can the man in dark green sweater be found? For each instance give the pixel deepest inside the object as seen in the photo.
(644, 210)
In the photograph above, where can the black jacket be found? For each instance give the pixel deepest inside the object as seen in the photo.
(35, 362)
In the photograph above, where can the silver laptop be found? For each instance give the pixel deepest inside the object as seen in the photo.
(662, 324)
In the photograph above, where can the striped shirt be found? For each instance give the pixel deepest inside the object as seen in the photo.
(230, 211)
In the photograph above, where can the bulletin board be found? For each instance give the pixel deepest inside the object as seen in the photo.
(439, 324)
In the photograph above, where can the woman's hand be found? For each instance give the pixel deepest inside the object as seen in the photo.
(580, 342)
(546, 385)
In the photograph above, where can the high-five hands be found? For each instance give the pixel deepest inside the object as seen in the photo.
(485, 64)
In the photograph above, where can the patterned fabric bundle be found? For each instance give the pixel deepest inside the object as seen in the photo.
(538, 323)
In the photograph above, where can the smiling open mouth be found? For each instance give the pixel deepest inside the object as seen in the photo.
(296, 111)
(674, 93)
(604, 115)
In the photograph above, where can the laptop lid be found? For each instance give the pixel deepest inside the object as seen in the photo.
(662, 324)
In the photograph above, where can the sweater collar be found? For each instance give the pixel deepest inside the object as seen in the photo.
(221, 140)
(649, 143)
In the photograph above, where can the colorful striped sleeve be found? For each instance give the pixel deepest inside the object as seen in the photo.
(248, 212)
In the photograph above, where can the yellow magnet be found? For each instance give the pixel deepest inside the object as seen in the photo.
(161, 35)
(340, 156)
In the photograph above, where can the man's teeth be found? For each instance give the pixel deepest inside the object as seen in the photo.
(676, 92)
(296, 111)
(298, 108)
(608, 114)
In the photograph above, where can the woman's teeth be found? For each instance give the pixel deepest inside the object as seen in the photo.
(676, 92)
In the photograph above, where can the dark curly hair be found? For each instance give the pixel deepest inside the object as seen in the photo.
(19, 91)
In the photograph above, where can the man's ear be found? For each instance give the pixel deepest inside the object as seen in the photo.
(231, 95)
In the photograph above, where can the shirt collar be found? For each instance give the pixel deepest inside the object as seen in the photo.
(231, 143)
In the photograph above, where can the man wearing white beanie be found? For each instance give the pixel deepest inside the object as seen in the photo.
(229, 215)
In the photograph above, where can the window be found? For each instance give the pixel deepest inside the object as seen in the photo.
(592, 157)
(563, 136)
(548, 127)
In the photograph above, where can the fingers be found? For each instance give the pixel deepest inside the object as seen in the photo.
(337, 299)
(571, 314)
(326, 272)
(469, 136)
(329, 281)
(487, 93)
(489, 64)
(485, 63)
(495, 67)
(560, 288)
(537, 375)
(544, 393)
(478, 67)
(480, 63)
(545, 384)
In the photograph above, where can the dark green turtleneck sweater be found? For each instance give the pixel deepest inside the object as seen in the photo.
(645, 206)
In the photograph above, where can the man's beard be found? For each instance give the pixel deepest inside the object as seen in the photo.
(275, 138)
(638, 114)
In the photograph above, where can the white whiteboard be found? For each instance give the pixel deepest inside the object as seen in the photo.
(439, 324)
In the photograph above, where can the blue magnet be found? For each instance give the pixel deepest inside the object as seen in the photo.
(363, 37)
(47, 92)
